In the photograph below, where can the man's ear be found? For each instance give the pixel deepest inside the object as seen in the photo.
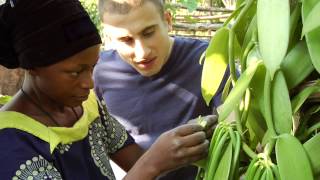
(168, 19)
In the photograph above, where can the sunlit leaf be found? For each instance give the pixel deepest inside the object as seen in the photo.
(273, 18)
(215, 64)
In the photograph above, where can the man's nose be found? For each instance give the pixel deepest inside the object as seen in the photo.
(142, 51)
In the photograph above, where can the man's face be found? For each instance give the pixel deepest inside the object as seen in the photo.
(141, 37)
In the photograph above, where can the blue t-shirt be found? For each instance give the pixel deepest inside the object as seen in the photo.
(34, 151)
(149, 106)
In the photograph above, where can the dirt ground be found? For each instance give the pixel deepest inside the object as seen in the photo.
(10, 80)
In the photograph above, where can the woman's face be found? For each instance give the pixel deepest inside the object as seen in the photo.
(68, 82)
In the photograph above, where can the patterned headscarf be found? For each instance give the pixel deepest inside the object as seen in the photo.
(37, 33)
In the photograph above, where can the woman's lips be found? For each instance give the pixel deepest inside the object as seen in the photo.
(81, 98)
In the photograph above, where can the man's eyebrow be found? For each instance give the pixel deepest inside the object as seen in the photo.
(149, 27)
(124, 38)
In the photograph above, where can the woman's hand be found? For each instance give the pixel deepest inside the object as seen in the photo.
(208, 122)
(178, 147)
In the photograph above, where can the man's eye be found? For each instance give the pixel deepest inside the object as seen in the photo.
(126, 40)
(148, 33)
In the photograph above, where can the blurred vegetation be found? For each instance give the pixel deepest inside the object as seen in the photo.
(91, 7)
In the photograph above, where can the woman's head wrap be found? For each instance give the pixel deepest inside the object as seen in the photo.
(37, 33)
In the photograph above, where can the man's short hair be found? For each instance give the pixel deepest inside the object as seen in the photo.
(124, 6)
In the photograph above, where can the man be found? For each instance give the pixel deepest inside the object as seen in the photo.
(151, 82)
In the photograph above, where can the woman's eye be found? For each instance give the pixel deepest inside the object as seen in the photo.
(75, 73)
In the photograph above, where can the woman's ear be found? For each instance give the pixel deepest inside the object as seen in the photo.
(32, 72)
(168, 20)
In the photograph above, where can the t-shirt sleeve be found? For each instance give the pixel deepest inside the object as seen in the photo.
(116, 135)
(21, 159)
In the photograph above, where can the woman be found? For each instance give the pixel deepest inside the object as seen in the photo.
(54, 127)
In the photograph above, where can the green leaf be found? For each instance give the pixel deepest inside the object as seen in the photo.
(312, 37)
(312, 147)
(281, 104)
(257, 82)
(292, 159)
(190, 4)
(215, 64)
(299, 99)
(255, 124)
(297, 65)
(295, 25)
(273, 17)
(4, 99)
(312, 20)
(237, 92)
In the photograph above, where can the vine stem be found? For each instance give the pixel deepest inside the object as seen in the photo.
(248, 151)
(267, 104)
(242, 13)
(269, 147)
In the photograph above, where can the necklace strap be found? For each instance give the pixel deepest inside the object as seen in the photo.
(36, 104)
(39, 107)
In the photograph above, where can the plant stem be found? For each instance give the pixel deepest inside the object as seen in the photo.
(267, 104)
(270, 146)
(232, 65)
(247, 100)
(242, 13)
(234, 13)
(248, 151)
(233, 75)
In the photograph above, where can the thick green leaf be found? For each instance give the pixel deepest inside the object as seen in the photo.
(257, 83)
(299, 99)
(237, 92)
(295, 25)
(312, 22)
(313, 36)
(256, 124)
(273, 17)
(312, 147)
(292, 159)
(297, 65)
(281, 104)
(215, 64)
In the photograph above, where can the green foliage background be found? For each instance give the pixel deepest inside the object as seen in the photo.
(91, 7)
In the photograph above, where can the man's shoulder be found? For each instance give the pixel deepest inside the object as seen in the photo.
(108, 54)
(188, 48)
(187, 41)
(109, 59)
